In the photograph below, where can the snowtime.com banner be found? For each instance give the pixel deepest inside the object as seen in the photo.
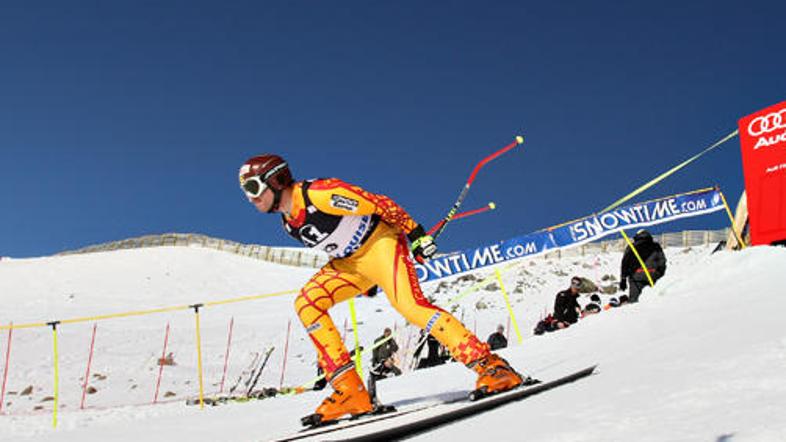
(573, 234)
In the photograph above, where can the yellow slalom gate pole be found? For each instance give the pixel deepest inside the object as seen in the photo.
(641, 261)
(731, 219)
(57, 372)
(358, 358)
(199, 357)
(510, 309)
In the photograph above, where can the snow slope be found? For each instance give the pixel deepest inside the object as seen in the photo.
(701, 358)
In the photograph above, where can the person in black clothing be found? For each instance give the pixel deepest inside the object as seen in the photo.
(566, 306)
(654, 259)
(382, 363)
(383, 354)
(497, 339)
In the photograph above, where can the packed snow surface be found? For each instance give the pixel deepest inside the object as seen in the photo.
(702, 357)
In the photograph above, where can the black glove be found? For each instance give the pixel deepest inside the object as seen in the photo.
(624, 284)
(372, 291)
(421, 244)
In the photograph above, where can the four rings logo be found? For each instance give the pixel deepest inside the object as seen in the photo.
(767, 123)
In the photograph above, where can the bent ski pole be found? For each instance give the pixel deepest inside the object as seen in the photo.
(519, 140)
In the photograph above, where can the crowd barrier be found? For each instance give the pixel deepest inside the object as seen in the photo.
(287, 256)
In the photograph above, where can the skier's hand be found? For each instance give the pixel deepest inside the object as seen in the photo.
(422, 245)
(624, 284)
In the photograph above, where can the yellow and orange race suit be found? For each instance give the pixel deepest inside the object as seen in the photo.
(366, 235)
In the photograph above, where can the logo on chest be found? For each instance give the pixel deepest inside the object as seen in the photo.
(311, 236)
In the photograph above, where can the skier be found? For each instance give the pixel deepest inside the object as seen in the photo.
(652, 255)
(367, 237)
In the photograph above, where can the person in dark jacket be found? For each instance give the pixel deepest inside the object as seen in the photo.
(566, 306)
(382, 358)
(497, 339)
(654, 259)
(382, 363)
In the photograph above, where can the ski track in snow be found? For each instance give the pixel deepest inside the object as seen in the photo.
(702, 357)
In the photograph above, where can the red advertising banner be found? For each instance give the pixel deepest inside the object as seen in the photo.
(763, 141)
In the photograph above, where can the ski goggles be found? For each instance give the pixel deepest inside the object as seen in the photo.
(254, 186)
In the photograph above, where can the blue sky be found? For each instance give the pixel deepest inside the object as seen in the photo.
(119, 119)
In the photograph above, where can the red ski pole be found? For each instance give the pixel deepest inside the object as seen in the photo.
(89, 362)
(7, 358)
(286, 349)
(161, 363)
(486, 208)
(226, 356)
(519, 140)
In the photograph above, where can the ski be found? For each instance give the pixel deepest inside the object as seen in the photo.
(426, 417)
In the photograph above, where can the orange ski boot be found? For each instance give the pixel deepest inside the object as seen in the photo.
(349, 397)
(495, 375)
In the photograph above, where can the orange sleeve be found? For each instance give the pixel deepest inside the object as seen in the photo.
(336, 197)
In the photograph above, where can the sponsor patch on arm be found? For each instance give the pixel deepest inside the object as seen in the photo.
(344, 203)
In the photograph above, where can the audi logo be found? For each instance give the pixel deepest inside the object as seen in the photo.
(767, 123)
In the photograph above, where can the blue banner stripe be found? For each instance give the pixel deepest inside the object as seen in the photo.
(574, 234)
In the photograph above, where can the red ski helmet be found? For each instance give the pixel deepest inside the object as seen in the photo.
(265, 171)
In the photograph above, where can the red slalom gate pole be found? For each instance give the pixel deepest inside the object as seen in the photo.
(161, 365)
(226, 356)
(7, 358)
(87, 372)
(286, 349)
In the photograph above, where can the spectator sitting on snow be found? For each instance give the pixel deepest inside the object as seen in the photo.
(654, 259)
(566, 306)
(497, 339)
